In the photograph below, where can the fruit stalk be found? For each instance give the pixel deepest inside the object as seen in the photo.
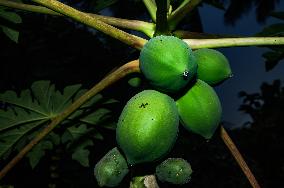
(238, 157)
(124, 70)
(162, 27)
(88, 20)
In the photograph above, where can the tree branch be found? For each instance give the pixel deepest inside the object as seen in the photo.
(232, 42)
(145, 27)
(86, 19)
(239, 158)
(124, 70)
(178, 14)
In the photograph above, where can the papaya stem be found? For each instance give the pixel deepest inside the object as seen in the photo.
(88, 20)
(179, 13)
(137, 25)
(239, 158)
(124, 70)
(232, 42)
(152, 8)
(162, 27)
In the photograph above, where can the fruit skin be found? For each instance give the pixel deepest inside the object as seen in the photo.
(200, 109)
(213, 66)
(174, 170)
(147, 127)
(168, 63)
(111, 169)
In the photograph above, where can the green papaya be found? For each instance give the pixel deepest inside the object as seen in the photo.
(111, 169)
(213, 66)
(174, 170)
(200, 109)
(167, 63)
(147, 127)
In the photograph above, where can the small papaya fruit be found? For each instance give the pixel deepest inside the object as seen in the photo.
(174, 170)
(147, 127)
(167, 63)
(200, 109)
(213, 66)
(111, 169)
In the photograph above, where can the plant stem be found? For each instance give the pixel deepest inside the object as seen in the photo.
(232, 42)
(238, 157)
(86, 19)
(178, 14)
(162, 27)
(152, 8)
(124, 70)
(145, 27)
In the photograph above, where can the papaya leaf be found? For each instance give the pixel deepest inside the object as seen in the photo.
(11, 33)
(13, 18)
(81, 153)
(10, 16)
(23, 115)
(77, 139)
(38, 152)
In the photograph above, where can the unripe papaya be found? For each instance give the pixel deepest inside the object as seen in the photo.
(167, 63)
(200, 109)
(213, 66)
(111, 169)
(147, 127)
(174, 170)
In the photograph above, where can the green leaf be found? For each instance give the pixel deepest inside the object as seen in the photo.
(10, 16)
(38, 152)
(81, 153)
(28, 111)
(11, 33)
(272, 31)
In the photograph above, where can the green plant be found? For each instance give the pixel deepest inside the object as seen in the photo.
(30, 117)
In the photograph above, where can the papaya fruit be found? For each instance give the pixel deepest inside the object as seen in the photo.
(111, 169)
(213, 66)
(174, 170)
(167, 62)
(200, 109)
(147, 127)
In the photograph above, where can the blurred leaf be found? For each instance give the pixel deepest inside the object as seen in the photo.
(102, 4)
(11, 33)
(10, 16)
(272, 59)
(272, 30)
(279, 15)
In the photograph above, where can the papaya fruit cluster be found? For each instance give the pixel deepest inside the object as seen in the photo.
(181, 91)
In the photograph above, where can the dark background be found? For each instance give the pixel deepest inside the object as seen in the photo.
(60, 50)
